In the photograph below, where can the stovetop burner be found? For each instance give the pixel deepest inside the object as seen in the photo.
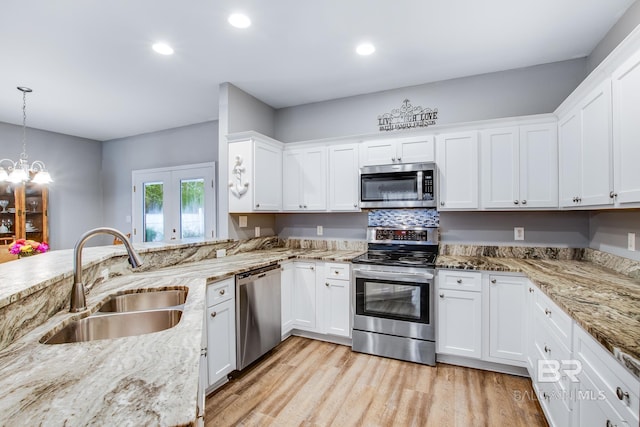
(413, 258)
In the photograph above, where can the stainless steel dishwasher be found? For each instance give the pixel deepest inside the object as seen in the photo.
(258, 319)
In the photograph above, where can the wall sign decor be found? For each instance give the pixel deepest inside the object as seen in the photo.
(238, 188)
(407, 116)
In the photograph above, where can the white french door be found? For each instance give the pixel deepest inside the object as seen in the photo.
(173, 203)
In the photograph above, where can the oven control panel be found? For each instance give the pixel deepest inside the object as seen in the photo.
(408, 235)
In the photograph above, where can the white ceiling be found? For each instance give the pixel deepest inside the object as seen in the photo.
(94, 74)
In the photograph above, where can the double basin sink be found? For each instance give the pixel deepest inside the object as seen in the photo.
(124, 316)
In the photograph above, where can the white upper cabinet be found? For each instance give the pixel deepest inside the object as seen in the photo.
(457, 160)
(255, 175)
(343, 178)
(585, 151)
(539, 166)
(402, 150)
(626, 125)
(519, 167)
(305, 179)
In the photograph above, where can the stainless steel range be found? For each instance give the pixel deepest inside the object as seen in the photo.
(394, 294)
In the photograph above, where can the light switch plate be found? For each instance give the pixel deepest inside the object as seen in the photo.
(631, 241)
(257, 231)
(242, 219)
(518, 233)
(319, 230)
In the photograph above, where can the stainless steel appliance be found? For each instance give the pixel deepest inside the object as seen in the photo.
(257, 313)
(394, 294)
(398, 186)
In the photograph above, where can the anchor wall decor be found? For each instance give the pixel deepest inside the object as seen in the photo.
(238, 188)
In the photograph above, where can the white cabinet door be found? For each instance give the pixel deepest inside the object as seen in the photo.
(507, 317)
(415, 150)
(570, 161)
(626, 130)
(595, 113)
(267, 177)
(381, 152)
(292, 189)
(314, 176)
(343, 178)
(221, 340)
(336, 307)
(530, 348)
(500, 172)
(286, 297)
(539, 166)
(457, 159)
(460, 323)
(305, 179)
(304, 295)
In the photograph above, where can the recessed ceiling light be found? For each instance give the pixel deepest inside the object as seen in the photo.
(239, 20)
(365, 49)
(163, 49)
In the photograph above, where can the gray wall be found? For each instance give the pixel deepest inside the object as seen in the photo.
(349, 226)
(75, 196)
(627, 23)
(239, 112)
(531, 90)
(173, 147)
(608, 232)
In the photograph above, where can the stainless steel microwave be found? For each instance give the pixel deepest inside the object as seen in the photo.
(409, 185)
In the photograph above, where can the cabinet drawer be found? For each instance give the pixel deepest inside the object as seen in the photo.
(460, 280)
(218, 292)
(620, 388)
(551, 315)
(547, 342)
(554, 403)
(338, 271)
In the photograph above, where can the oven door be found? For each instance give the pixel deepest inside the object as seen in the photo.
(394, 303)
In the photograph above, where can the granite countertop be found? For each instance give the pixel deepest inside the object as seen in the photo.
(602, 301)
(148, 379)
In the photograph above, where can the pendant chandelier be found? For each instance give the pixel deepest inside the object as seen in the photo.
(20, 170)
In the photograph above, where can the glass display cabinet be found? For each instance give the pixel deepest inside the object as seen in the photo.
(23, 212)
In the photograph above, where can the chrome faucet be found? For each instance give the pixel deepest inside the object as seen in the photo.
(78, 299)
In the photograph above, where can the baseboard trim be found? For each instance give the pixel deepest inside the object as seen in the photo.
(321, 337)
(482, 364)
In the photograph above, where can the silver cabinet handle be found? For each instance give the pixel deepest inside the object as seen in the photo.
(355, 205)
(579, 200)
(393, 159)
(327, 284)
(214, 314)
(441, 295)
(441, 203)
(575, 200)
(300, 206)
(547, 311)
(524, 202)
(493, 281)
(530, 290)
(312, 267)
(545, 395)
(399, 159)
(221, 291)
(257, 205)
(459, 281)
(622, 395)
(547, 349)
(610, 424)
(336, 272)
(515, 202)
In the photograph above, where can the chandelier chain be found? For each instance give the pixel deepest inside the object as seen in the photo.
(24, 156)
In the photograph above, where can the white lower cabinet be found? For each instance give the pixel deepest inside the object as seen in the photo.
(507, 319)
(459, 314)
(304, 296)
(336, 300)
(220, 320)
(286, 297)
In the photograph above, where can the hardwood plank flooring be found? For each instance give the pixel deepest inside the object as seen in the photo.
(307, 382)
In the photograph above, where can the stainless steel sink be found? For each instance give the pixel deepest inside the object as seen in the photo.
(144, 301)
(116, 325)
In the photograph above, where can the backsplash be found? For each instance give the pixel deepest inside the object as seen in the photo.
(406, 217)
(332, 245)
(522, 252)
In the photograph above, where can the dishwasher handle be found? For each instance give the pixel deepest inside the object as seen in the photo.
(259, 273)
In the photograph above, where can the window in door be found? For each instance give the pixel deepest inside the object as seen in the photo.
(173, 203)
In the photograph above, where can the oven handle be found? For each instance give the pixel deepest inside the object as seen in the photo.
(393, 275)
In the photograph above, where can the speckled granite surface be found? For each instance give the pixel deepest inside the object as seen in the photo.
(149, 379)
(605, 302)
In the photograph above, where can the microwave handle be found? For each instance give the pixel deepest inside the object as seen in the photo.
(420, 185)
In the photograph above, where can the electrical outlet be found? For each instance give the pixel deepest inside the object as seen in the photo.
(631, 241)
(242, 219)
(518, 233)
(221, 253)
(257, 231)
(319, 230)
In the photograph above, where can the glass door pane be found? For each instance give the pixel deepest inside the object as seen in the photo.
(153, 211)
(192, 208)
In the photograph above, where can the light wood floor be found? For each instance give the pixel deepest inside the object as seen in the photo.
(314, 383)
